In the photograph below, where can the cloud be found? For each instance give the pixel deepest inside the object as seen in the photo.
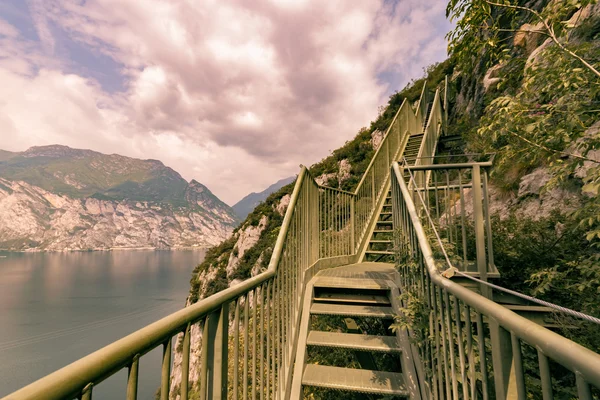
(234, 94)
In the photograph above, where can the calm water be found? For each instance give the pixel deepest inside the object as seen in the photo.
(56, 308)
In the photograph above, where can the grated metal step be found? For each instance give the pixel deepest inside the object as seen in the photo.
(380, 252)
(354, 380)
(352, 298)
(352, 310)
(386, 344)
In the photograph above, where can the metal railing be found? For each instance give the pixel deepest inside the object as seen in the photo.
(457, 201)
(248, 331)
(472, 347)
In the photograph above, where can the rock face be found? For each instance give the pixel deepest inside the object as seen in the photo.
(57, 198)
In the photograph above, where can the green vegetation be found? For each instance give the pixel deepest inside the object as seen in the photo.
(541, 111)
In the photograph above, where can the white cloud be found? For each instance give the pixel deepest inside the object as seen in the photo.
(234, 94)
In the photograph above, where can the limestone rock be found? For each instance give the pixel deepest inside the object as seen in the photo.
(283, 204)
(376, 138)
(492, 77)
(34, 219)
(528, 36)
(532, 184)
(247, 238)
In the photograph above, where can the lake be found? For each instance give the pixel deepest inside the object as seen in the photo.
(58, 307)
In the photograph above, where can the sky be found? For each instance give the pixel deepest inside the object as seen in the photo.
(233, 93)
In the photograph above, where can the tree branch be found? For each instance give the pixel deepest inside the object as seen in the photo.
(548, 149)
(551, 33)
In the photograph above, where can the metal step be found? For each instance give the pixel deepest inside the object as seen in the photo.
(383, 231)
(354, 380)
(386, 344)
(380, 252)
(352, 298)
(352, 310)
(385, 222)
(389, 241)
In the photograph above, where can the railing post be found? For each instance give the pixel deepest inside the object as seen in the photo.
(373, 187)
(445, 123)
(216, 369)
(352, 238)
(503, 362)
(479, 235)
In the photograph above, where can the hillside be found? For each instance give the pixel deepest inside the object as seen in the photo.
(243, 207)
(59, 198)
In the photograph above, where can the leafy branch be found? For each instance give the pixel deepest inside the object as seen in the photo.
(550, 31)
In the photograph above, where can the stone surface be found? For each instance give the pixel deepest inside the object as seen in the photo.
(247, 237)
(376, 138)
(492, 77)
(32, 219)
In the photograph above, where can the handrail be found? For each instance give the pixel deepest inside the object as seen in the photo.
(509, 331)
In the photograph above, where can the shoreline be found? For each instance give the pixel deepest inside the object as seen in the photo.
(107, 249)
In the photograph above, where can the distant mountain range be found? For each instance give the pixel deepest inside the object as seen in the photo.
(245, 206)
(59, 198)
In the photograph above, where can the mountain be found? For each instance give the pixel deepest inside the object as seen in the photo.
(245, 206)
(59, 198)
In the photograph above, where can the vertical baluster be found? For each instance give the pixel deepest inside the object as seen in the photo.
(451, 345)
(545, 376)
(482, 356)
(462, 220)
(86, 393)
(274, 361)
(236, 349)
(436, 333)
(132, 378)
(268, 354)
(471, 356)
(262, 342)
(246, 346)
(254, 301)
(185, 363)
(461, 348)
(204, 362)
(444, 349)
(518, 365)
(449, 208)
(488, 224)
(166, 371)
(583, 388)
(437, 198)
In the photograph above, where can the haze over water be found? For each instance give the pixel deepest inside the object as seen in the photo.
(58, 307)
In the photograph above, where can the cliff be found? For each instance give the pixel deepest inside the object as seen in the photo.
(57, 198)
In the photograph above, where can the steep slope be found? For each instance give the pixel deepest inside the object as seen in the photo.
(58, 198)
(243, 207)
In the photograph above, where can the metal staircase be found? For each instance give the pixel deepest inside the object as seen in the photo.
(357, 303)
(261, 338)
(380, 247)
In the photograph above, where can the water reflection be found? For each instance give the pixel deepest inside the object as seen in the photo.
(57, 307)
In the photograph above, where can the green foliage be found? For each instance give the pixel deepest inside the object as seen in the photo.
(551, 259)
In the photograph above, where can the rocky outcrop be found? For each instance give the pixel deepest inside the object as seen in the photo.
(492, 77)
(535, 199)
(528, 36)
(246, 238)
(376, 138)
(343, 174)
(32, 218)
